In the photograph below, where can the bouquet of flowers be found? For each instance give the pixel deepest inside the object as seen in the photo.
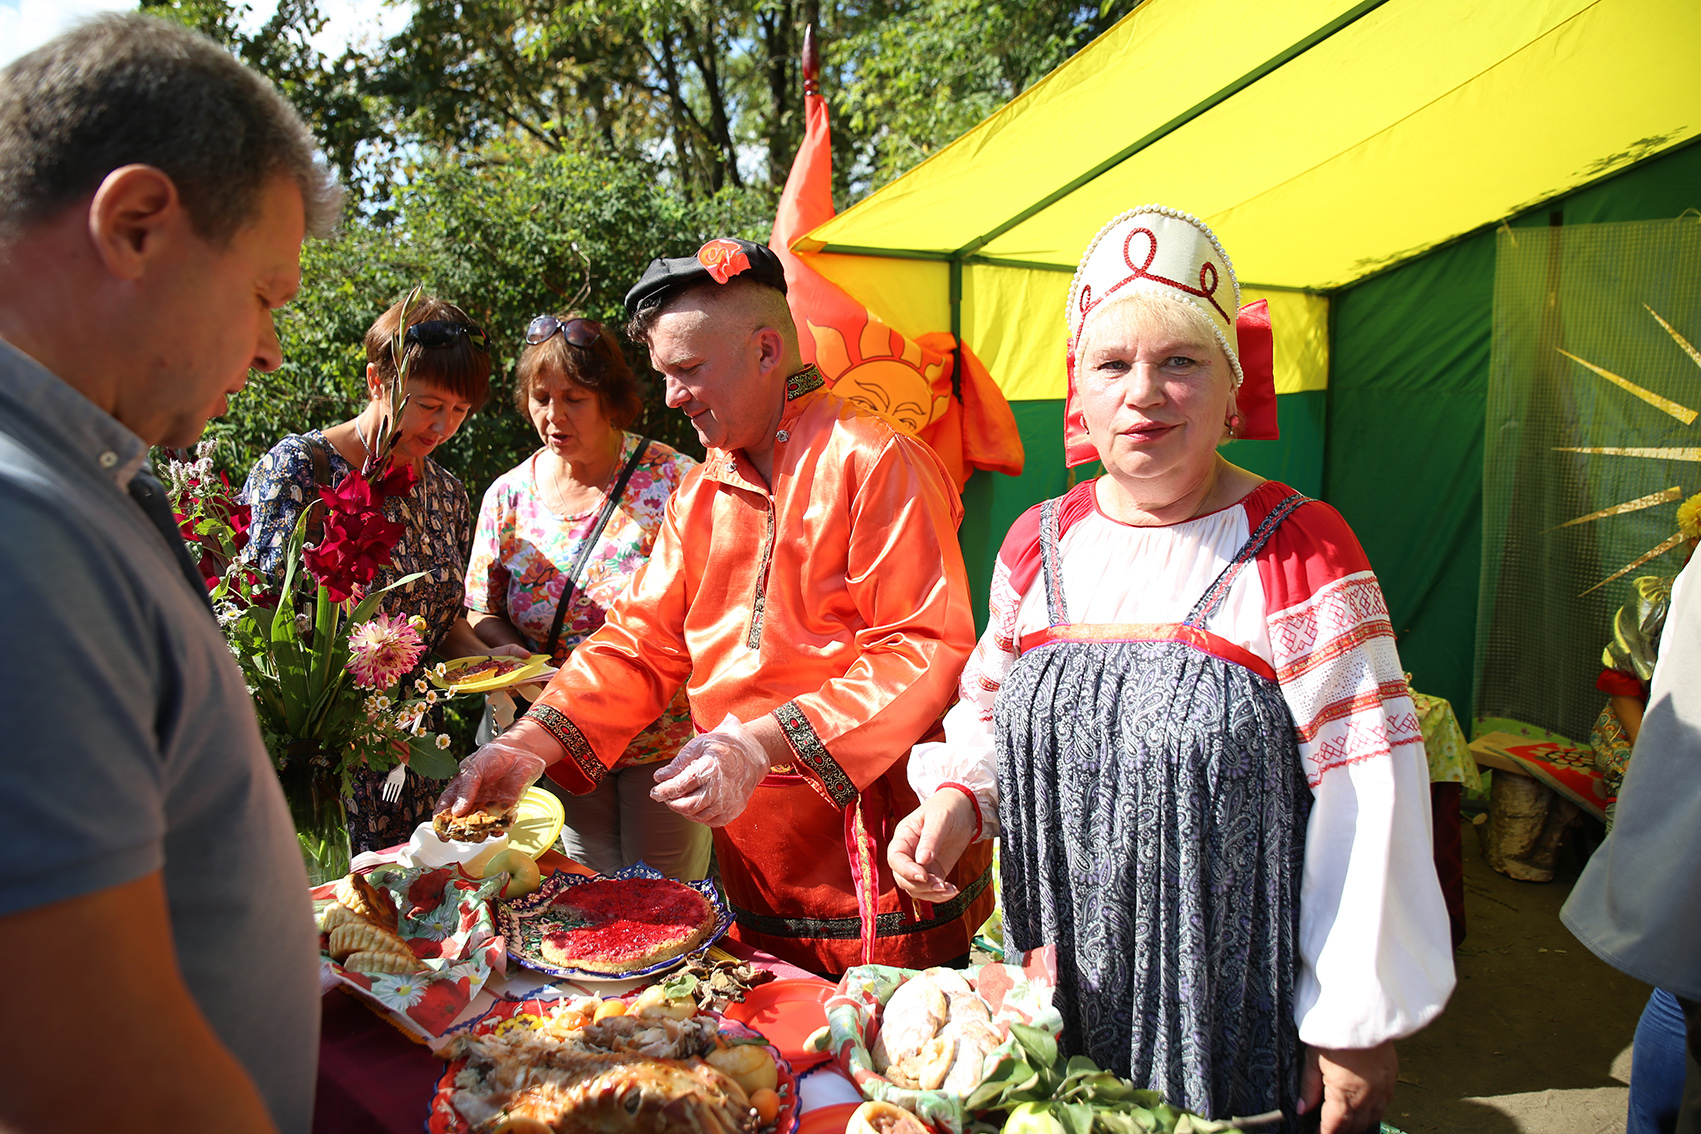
(323, 666)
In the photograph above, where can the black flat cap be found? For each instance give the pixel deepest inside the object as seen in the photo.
(720, 260)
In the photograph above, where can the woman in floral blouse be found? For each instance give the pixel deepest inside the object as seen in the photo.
(449, 378)
(576, 388)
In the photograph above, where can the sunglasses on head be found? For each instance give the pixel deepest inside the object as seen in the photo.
(434, 333)
(578, 332)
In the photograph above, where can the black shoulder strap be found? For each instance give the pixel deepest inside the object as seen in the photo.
(1056, 609)
(1213, 597)
(590, 543)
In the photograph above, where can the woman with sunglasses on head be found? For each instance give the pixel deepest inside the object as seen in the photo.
(448, 378)
(577, 518)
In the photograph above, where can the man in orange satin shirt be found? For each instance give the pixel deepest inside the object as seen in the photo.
(808, 590)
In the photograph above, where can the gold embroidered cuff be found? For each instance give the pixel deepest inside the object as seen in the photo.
(814, 755)
(567, 734)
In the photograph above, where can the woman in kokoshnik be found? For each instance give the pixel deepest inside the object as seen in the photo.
(1189, 725)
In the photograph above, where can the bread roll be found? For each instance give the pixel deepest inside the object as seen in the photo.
(884, 1118)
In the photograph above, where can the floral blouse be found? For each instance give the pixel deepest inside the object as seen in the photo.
(437, 514)
(521, 551)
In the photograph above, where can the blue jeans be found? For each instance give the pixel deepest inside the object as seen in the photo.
(1657, 1066)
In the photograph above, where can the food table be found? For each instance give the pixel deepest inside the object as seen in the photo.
(375, 1080)
(375, 1076)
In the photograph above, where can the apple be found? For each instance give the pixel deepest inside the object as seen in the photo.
(522, 870)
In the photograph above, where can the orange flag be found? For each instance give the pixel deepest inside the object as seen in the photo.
(906, 381)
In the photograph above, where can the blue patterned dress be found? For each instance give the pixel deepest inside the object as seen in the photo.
(438, 539)
(1154, 807)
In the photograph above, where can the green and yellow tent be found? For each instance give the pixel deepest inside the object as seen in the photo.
(1355, 159)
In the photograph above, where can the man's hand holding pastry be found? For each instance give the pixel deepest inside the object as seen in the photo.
(492, 779)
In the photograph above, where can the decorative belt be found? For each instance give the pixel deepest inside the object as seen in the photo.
(894, 924)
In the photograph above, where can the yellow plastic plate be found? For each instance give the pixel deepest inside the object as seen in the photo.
(537, 821)
(488, 682)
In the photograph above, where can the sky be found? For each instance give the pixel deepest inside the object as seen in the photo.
(25, 24)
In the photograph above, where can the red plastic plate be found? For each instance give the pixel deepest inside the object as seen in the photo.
(786, 1012)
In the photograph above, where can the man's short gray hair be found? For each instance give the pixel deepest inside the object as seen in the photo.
(131, 89)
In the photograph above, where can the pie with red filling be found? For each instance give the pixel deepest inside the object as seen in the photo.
(620, 925)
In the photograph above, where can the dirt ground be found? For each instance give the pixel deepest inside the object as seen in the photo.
(1537, 1036)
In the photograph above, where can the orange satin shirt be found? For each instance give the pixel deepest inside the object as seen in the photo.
(837, 601)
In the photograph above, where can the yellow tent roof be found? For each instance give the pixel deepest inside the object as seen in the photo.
(1321, 140)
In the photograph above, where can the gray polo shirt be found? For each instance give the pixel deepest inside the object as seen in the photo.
(128, 742)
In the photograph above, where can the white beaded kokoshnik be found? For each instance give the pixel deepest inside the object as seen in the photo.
(1230, 347)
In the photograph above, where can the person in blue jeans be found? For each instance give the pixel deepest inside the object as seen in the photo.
(1658, 1063)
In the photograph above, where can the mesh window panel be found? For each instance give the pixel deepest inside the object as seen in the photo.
(1586, 291)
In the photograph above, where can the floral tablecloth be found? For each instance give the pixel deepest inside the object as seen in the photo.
(1444, 743)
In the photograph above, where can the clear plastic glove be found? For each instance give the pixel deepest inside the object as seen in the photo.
(491, 779)
(714, 775)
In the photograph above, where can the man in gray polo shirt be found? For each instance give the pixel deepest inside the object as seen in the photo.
(161, 964)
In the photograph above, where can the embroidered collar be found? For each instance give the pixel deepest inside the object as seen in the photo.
(804, 381)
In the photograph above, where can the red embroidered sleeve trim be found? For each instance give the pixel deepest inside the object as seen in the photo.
(1367, 742)
(567, 734)
(1339, 710)
(1354, 639)
(973, 802)
(804, 741)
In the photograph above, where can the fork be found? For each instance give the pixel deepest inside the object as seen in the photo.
(393, 783)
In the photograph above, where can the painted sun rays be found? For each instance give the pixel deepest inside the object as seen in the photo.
(1665, 405)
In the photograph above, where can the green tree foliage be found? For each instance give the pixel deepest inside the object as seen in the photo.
(495, 236)
(329, 93)
(489, 137)
(924, 73)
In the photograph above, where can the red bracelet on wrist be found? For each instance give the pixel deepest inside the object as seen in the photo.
(973, 802)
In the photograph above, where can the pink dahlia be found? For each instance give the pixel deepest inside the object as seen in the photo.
(381, 649)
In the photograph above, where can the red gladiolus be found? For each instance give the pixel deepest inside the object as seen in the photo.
(357, 539)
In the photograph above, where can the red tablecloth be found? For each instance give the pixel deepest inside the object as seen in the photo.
(374, 1080)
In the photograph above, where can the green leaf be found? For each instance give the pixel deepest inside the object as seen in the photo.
(679, 986)
(1080, 1065)
(1076, 1117)
(429, 761)
(1124, 1122)
(1040, 1045)
(370, 602)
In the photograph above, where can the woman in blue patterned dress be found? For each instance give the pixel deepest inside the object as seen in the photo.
(448, 378)
(1188, 722)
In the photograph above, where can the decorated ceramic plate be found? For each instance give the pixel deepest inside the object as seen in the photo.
(524, 922)
(538, 819)
(507, 1014)
(479, 674)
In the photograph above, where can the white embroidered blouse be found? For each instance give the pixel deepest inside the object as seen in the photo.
(1376, 951)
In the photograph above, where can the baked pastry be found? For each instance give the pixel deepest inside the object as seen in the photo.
(883, 1118)
(360, 930)
(620, 925)
(473, 828)
(366, 961)
(370, 903)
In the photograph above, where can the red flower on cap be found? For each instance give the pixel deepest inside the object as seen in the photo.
(723, 259)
